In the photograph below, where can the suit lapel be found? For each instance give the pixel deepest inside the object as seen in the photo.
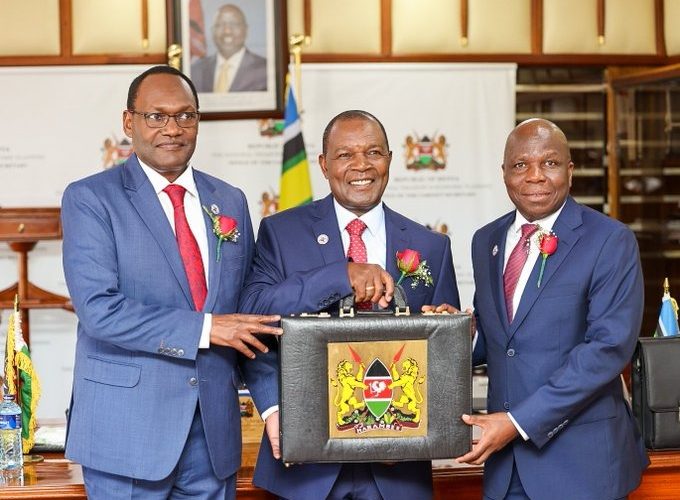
(565, 228)
(496, 260)
(325, 228)
(397, 241)
(206, 194)
(145, 200)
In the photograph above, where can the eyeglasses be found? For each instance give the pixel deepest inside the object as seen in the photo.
(185, 119)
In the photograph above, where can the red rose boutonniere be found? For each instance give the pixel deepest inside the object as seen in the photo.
(410, 265)
(225, 228)
(547, 244)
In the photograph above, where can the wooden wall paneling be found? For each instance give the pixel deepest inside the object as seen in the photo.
(29, 28)
(671, 17)
(66, 27)
(105, 27)
(570, 27)
(536, 26)
(431, 27)
(437, 27)
(386, 27)
(660, 28)
(347, 27)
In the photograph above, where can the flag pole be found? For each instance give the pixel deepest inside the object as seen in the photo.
(17, 378)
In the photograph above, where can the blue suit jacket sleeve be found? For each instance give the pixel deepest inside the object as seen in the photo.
(91, 271)
(260, 374)
(269, 291)
(614, 309)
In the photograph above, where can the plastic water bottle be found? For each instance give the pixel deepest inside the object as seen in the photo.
(11, 455)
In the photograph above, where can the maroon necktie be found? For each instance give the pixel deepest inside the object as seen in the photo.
(357, 251)
(188, 247)
(516, 262)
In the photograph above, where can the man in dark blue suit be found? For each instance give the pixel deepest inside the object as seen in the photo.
(556, 327)
(154, 409)
(301, 265)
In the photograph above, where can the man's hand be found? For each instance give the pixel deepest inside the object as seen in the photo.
(497, 431)
(447, 308)
(271, 425)
(370, 282)
(238, 331)
(452, 310)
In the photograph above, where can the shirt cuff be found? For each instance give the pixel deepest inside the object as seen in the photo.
(269, 411)
(524, 435)
(204, 343)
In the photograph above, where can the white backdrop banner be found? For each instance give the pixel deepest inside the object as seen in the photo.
(446, 125)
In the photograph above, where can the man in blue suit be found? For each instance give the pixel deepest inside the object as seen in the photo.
(301, 265)
(556, 327)
(154, 411)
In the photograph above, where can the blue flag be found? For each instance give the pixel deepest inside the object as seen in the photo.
(668, 320)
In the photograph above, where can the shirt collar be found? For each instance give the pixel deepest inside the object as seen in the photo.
(546, 223)
(374, 218)
(159, 183)
(234, 61)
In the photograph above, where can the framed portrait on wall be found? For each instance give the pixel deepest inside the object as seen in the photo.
(235, 52)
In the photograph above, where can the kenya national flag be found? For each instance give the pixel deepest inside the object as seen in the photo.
(21, 379)
(377, 395)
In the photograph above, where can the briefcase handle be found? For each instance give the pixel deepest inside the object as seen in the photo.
(399, 300)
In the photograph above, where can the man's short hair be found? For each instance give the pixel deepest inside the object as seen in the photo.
(352, 114)
(156, 70)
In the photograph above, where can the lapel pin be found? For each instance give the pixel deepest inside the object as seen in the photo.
(322, 239)
(494, 250)
(214, 209)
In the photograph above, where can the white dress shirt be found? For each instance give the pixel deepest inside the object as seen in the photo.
(194, 213)
(374, 236)
(511, 239)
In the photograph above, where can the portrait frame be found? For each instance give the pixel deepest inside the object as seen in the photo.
(266, 39)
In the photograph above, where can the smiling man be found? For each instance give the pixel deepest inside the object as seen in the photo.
(310, 257)
(154, 409)
(234, 68)
(555, 331)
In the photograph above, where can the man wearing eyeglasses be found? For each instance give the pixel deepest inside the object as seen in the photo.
(154, 410)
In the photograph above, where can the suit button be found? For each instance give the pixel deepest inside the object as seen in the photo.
(180, 352)
(550, 435)
(510, 353)
(193, 381)
(506, 405)
(173, 351)
(160, 350)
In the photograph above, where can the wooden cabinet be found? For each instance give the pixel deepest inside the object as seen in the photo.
(575, 100)
(644, 129)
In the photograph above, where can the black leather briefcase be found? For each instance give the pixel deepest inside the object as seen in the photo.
(656, 391)
(374, 387)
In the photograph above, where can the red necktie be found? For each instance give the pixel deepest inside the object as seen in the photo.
(188, 247)
(516, 262)
(357, 251)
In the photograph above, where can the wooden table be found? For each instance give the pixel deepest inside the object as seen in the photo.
(57, 478)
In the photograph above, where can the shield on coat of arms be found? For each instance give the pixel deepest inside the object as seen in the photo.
(377, 394)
